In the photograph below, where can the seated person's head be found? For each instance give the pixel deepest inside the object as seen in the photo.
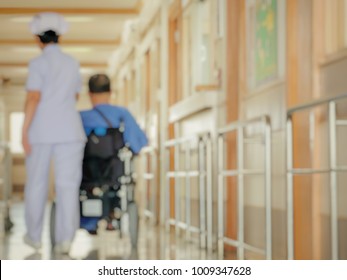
(99, 89)
(99, 83)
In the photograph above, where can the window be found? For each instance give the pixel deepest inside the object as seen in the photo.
(16, 123)
(202, 47)
(335, 23)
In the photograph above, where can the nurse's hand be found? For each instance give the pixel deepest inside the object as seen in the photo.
(26, 144)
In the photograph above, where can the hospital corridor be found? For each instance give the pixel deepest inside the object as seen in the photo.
(173, 130)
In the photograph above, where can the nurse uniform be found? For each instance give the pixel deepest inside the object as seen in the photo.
(55, 134)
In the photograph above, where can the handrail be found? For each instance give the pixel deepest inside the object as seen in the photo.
(6, 165)
(150, 207)
(315, 103)
(185, 171)
(234, 125)
(240, 172)
(332, 170)
(205, 169)
(175, 174)
(206, 147)
(176, 141)
(148, 149)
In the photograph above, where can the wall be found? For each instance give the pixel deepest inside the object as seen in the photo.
(246, 88)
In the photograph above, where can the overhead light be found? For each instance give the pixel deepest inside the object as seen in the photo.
(26, 49)
(86, 70)
(27, 19)
(79, 19)
(78, 49)
(21, 19)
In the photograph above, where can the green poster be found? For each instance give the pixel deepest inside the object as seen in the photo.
(266, 40)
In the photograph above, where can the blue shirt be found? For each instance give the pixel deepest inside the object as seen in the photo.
(57, 77)
(133, 135)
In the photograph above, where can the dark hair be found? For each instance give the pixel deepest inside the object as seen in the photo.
(48, 36)
(99, 83)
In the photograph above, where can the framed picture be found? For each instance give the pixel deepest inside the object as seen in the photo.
(262, 42)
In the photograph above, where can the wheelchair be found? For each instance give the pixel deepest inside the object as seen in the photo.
(108, 186)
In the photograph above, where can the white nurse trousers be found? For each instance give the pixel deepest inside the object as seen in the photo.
(67, 159)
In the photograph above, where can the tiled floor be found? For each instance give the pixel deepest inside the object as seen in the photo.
(154, 243)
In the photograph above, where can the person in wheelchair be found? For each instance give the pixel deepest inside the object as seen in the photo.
(109, 129)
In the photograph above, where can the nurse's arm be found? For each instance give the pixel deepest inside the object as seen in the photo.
(31, 102)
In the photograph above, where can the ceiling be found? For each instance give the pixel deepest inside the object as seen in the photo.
(95, 31)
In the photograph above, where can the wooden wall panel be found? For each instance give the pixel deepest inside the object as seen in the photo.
(232, 106)
(304, 50)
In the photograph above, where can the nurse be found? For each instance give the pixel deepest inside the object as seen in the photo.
(52, 131)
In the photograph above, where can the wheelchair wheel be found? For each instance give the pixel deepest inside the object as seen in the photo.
(133, 223)
(52, 224)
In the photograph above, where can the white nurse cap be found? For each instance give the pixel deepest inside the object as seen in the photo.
(48, 21)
